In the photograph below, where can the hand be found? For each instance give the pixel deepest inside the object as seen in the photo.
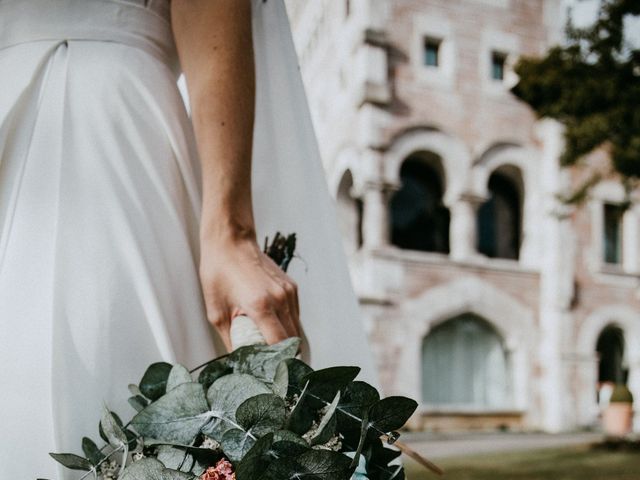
(239, 279)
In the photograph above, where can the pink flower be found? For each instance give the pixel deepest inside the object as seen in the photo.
(222, 471)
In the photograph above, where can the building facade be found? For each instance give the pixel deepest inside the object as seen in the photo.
(486, 297)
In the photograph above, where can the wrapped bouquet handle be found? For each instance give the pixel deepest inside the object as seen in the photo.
(244, 332)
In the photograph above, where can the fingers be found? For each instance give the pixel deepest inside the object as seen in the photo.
(221, 321)
(270, 324)
(291, 313)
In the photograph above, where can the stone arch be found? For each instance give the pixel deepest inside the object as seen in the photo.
(504, 157)
(628, 320)
(350, 209)
(512, 320)
(347, 159)
(520, 165)
(622, 316)
(453, 154)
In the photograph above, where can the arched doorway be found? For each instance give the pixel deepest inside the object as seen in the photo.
(465, 365)
(419, 218)
(500, 217)
(349, 214)
(612, 369)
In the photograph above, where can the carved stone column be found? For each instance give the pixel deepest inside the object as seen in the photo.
(375, 220)
(463, 228)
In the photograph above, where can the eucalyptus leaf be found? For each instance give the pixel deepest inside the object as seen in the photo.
(134, 389)
(354, 404)
(112, 430)
(326, 383)
(175, 458)
(316, 464)
(101, 430)
(273, 446)
(390, 414)
(214, 371)
(378, 457)
(261, 361)
(302, 416)
(236, 443)
(91, 451)
(152, 469)
(327, 427)
(138, 402)
(154, 381)
(177, 417)
(71, 461)
(225, 396)
(262, 414)
(256, 460)
(178, 376)
(289, 377)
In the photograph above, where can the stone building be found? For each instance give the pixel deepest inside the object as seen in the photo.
(485, 296)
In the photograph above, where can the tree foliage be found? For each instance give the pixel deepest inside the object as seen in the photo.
(592, 86)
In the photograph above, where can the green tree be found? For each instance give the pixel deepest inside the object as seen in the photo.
(592, 86)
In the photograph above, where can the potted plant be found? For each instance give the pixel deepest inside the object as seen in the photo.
(618, 415)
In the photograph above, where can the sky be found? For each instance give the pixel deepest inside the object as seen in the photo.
(584, 12)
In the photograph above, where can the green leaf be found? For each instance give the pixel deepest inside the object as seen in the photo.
(154, 382)
(71, 461)
(214, 371)
(177, 417)
(280, 444)
(302, 416)
(138, 403)
(327, 427)
(112, 430)
(256, 460)
(134, 389)
(91, 451)
(258, 416)
(316, 464)
(326, 383)
(152, 469)
(262, 414)
(178, 376)
(236, 443)
(175, 459)
(354, 404)
(261, 361)
(378, 456)
(225, 396)
(289, 377)
(390, 414)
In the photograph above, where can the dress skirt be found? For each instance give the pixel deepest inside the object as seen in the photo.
(99, 217)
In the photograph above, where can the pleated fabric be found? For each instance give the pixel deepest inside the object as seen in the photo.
(99, 210)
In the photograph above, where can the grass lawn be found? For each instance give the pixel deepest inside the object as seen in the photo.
(576, 463)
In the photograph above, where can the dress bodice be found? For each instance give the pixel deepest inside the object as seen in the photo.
(140, 23)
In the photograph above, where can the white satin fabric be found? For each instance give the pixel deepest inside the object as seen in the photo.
(99, 209)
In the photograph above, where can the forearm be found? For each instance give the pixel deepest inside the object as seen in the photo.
(216, 50)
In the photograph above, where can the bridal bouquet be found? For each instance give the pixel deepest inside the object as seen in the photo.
(258, 413)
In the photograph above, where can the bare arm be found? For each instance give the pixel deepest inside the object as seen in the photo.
(214, 40)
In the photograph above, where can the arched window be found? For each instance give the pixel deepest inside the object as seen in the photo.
(610, 348)
(499, 218)
(349, 214)
(464, 364)
(419, 219)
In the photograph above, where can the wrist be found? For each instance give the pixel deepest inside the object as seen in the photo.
(229, 230)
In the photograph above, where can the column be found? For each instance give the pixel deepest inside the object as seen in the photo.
(375, 219)
(556, 283)
(463, 228)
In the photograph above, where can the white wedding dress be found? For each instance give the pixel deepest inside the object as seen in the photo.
(99, 209)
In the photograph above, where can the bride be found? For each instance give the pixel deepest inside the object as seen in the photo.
(130, 232)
